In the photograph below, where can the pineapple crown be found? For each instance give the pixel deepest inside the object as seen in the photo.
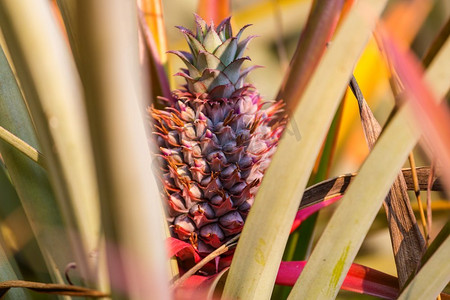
(215, 61)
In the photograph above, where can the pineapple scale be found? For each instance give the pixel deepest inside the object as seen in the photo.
(215, 140)
(214, 157)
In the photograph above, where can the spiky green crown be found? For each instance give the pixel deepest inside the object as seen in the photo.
(214, 64)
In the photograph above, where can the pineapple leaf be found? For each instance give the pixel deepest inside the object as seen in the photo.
(435, 118)
(7, 267)
(31, 180)
(211, 40)
(214, 78)
(187, 59)
(226, 52)
(206, 60)
(261, 245)
(238, 36)
(22, 146)
(224, 29)
(195, 85)
(194, 44)
(432, 277)
(243, 45)
(244, 74)
(374, 181)
(123, 148)
(232, 70)
(201, 27)
(407, 243)
(319, 29)
(222, 91)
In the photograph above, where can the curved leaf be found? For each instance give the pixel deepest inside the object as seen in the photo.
(359, 279)
(31, 180)
(7, 273)
(319, 28)
(349, 224)
(432, 277)
(259, 251)
(304, 213)
(51, 86)
(129, 195)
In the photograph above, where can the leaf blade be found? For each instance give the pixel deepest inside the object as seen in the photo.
(432, 277)
(61, 125)
(320, 27)
(398, 139)
(261, 246)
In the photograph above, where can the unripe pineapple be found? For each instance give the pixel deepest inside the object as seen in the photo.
(216, 140)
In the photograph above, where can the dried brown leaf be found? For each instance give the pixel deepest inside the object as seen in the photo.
(407, 240)
(337, 186)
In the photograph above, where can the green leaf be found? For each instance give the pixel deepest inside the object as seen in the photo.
(432, 277)
(320, 27)
(193, 72)
(232, 70)
(227, 51)
(51, 86)
(241, 46)
(132, 212)
(7, 273)
(300, 241)
(23, 147)
(31, 180)
(258, 254)
(206, 60)
(325, 270)
(212, 40)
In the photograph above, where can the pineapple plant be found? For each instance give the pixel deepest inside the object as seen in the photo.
(76, 167)
(216, 139)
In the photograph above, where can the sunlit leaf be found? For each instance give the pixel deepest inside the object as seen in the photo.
(261, 245)
(50, 83)
(434, 118)
(311, 46)
(31, 180)
(132, 212)
(432, 277)
(23, 147)
(359, 279)
(153, 12)
(345, 231)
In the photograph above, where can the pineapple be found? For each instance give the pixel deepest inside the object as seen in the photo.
(216, 139)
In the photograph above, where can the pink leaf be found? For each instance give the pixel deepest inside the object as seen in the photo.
(195, 287)
(183, 250)
(433, 118)
(304, 213)
(199, 287)
(359, 279)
